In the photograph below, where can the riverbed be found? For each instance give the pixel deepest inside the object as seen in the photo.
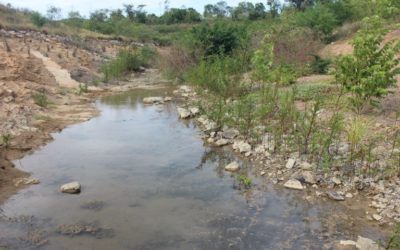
(150, 182)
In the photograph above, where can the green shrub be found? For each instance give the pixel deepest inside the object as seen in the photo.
(266, 71)
(128, 60)
(320, 18)
(220, 75)
(368, 8)
(319, 65)
(244, 180)
(146, 55)
(372, 69)
(221, 38)
(83, 88)
(38, 20)
(284, 75)
(6, 140)
(41, 100)
(355, 132)
(394, 240)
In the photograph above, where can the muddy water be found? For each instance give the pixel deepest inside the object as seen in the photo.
(150, 183)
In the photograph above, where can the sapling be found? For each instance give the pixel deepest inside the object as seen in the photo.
(371, 70)
(307, 125)
(6, 140)
(355, 131)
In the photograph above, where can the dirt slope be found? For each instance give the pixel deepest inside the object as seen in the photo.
(35, 65)
(343, 47)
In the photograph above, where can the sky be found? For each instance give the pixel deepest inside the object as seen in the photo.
(87, 6)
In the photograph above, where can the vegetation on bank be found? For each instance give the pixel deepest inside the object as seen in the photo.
(128, 60)
(247, 58)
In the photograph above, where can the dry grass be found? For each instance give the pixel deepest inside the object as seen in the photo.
(296, 47)
(175, 61)
(20, 19)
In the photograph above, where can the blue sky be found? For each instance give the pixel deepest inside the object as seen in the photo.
(86, 6)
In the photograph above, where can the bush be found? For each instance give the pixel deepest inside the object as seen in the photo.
(41, 100)
(244, 181)
(319, 65)
(266, 70)
(38, 20)
(368, 8)
(220, 38)
(394, 240)
(6, 140)
(128, 60)
(319, 18)
(371, 70)
(220, 75)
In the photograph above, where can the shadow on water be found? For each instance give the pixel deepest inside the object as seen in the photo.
(150, 183)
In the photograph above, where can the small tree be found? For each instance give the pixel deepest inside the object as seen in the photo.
(53, 13)
(38, 20)
(372, 68)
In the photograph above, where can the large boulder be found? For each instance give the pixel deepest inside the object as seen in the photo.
(232, 167)
(71, 188)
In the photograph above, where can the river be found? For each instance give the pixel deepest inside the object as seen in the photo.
(149, 182)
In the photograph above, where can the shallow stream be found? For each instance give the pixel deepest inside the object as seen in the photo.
(149, 182)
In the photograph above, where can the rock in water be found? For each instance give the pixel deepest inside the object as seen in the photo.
(184, 113)
(232, 167)
(294, 184)
(71, 188)
(167, 99)
(26, 181)
(347, 243)
(366, 244)
(153, 100)
(335, 196)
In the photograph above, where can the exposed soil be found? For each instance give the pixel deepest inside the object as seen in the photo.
(40, 76)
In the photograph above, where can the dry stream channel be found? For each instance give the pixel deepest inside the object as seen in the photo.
(149, 182)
